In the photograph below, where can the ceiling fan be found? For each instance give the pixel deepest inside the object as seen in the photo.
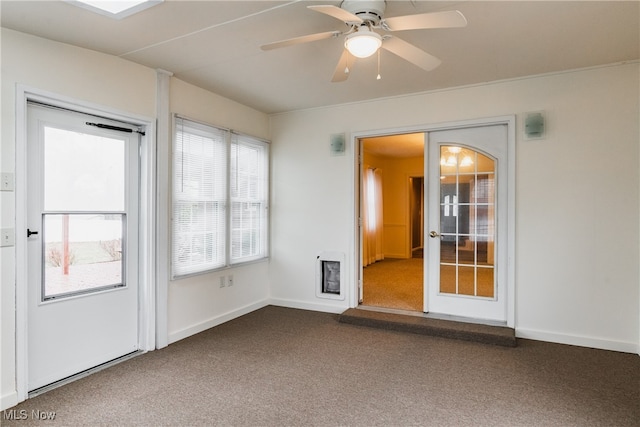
(365, 21)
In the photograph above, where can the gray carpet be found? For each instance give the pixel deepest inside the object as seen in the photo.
(285, 367)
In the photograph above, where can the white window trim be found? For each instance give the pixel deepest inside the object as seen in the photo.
(229, 263)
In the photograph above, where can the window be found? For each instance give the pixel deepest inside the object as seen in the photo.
(220, 195)
(248, 198)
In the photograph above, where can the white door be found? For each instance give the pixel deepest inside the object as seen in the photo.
(82, 186)
(467, 223)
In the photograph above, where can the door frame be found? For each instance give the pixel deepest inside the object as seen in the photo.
(356, 260)
(147, 222)
(422, 223)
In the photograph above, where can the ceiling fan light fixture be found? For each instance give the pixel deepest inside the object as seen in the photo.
(363, 43)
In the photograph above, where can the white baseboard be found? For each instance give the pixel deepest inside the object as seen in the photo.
(8, 401)
(215, 321)
(218, 320)
(578, 340)
(304, 305)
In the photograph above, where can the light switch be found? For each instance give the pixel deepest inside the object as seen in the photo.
(7, 182)
(7, 237)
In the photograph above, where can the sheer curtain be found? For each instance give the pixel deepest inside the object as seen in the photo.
(372, 236)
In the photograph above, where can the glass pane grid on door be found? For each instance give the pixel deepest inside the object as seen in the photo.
(467, 231)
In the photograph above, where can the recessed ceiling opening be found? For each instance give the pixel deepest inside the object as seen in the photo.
(117, 9)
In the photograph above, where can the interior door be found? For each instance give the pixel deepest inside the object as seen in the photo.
(467, 222)
(82, 186)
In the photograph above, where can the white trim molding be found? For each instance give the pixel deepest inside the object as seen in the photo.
(578, 340)
(9, 400)
(303, 305)
(163, 190)
(215, 321)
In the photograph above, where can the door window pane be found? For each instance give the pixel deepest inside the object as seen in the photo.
(484, 163)
(83, 172)
(467, 217)
(466, 281)
(485, 282)
(448, 279)
(82, 253)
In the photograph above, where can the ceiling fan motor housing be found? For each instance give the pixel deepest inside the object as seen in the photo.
(368, 10)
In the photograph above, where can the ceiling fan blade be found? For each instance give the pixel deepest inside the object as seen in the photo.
(301, 39)
(343, 69)
(423, 21)
(411, 53)
(336, 12)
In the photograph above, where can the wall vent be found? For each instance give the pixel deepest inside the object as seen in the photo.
(330, 275)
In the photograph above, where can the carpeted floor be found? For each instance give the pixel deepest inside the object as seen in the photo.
(286, 367)
(394, 283)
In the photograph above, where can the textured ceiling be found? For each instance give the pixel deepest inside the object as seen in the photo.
(216, 45)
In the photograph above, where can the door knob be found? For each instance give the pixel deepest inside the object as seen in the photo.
(433, 234)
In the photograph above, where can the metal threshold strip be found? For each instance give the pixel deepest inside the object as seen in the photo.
(79, 375)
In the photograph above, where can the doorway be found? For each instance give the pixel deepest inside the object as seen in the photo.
(82, 240)
(393, 221)
(466, 231)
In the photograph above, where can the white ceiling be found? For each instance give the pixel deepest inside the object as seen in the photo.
(216, 44)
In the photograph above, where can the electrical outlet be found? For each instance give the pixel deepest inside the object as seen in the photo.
(7, 237)
(230, 280)
(222, 282)
(7, 182)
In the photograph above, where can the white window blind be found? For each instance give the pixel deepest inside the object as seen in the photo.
(199, 198)
(248, 190)
(220, 198)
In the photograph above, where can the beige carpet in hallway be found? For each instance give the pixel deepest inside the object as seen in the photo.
(394, 283)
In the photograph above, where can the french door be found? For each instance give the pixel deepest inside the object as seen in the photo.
(466, 267)
(82, 243)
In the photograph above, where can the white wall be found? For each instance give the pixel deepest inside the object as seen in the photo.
(577, 197)
(90, 77)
